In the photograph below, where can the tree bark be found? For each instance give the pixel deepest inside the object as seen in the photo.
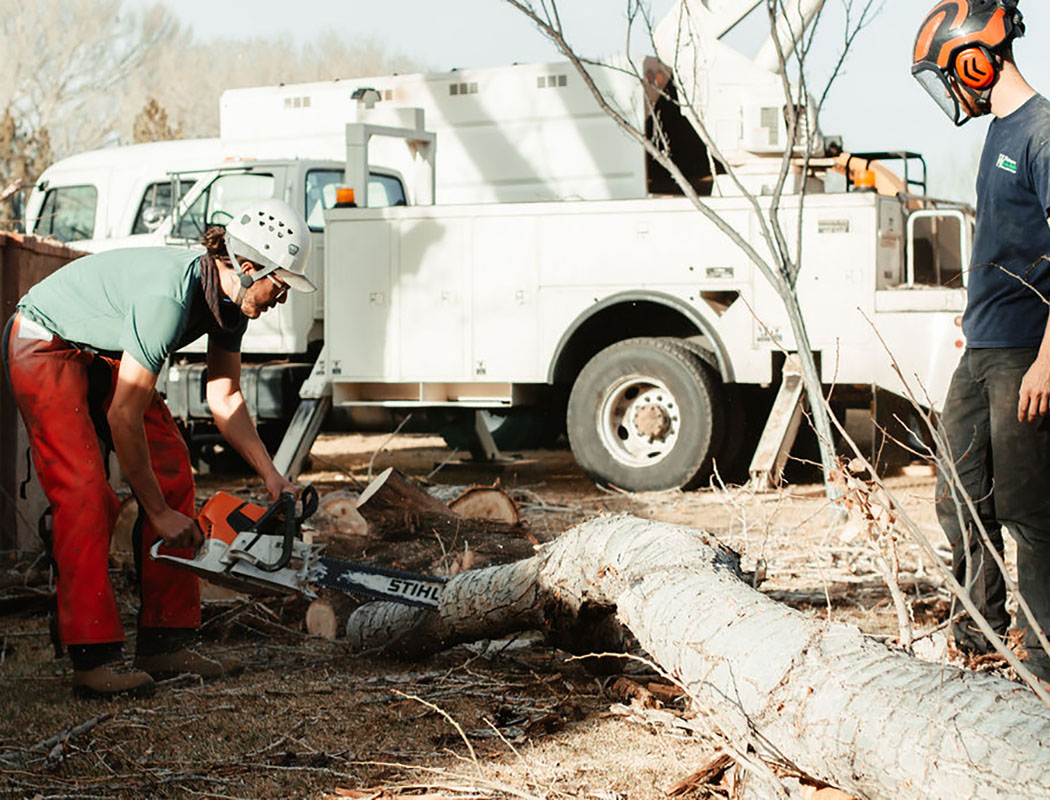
(823, 697)
(391, 493)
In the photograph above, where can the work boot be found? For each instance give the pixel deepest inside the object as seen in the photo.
(112, 680)
(187, 662)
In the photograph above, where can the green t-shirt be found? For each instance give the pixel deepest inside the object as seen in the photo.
(144, 301)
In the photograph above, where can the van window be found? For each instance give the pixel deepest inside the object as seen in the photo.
(158, 196)
(68, 213)
(383, 190)
(225, 194)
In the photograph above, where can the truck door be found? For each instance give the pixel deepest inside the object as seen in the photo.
(319, 189)
(919, 301)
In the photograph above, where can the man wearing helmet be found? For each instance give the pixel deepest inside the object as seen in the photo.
(995, 416)
(82, 352)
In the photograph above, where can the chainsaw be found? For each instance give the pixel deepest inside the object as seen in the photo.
(250, 548)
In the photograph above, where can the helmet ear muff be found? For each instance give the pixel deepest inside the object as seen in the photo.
(975, 68)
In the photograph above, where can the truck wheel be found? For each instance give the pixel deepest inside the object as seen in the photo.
(645, 415)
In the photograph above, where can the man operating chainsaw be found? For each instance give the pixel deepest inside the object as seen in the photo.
(83, 351)
(995, 416)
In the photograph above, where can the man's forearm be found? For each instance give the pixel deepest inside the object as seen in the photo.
(236, 426)
(129, 440)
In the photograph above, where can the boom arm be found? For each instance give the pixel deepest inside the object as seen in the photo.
(713, 19)
(791, 25)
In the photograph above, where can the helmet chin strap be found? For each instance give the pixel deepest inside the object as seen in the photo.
(982, 102)
(245, 280)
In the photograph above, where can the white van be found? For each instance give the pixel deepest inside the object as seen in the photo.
(117, 196)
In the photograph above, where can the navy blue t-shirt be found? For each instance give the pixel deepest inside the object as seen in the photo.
(1010, 274)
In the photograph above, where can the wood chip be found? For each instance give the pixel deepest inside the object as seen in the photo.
(710, 775)
(634, 693)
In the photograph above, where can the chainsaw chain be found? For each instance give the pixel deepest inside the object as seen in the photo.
(335, 567)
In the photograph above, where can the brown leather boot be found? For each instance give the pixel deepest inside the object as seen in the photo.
(185, 661)
(112, 680)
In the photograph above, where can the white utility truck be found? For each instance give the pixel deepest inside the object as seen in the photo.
(545, 262)
(613, 292)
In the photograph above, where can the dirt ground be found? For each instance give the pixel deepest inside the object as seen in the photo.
(514, 718)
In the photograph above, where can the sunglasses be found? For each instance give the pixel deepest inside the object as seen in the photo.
(282, 288)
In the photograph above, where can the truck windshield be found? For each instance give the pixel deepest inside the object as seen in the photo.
(156, 204)
(383, 190)
(222, 196)
(68, 213)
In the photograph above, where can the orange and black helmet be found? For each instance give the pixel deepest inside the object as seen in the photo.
(959, 50)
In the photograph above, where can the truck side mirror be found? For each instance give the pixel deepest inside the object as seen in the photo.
(153, 216)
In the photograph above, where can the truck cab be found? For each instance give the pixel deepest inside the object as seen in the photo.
(117, 196)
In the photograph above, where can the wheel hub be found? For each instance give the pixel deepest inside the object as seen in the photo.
(653, 422)
(638, 420)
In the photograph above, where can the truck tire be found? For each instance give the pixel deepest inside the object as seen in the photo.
(646, 415)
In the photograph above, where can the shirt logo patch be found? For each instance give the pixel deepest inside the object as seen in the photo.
(1006, 163)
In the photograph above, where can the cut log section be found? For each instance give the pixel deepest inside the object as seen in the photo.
(835, 704)
(486, 502)
(393, 494)
(340, 509)
(326, 616)
(395, 508)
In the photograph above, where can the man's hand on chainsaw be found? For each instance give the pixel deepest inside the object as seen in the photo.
(277, 484)
(177, 530)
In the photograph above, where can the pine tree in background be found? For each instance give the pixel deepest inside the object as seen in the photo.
(23, 156)
(152, 125)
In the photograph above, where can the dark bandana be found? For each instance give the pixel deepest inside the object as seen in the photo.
(226, 314)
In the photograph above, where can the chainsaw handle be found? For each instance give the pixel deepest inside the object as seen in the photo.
(285, 502)
(308, 499)
(292, 523)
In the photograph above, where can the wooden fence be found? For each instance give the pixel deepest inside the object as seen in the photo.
(24, 261)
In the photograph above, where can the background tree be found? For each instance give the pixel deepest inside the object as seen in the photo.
(187, 78)
(23, 156)
(81, 74)
(66, 64)
(152, 125)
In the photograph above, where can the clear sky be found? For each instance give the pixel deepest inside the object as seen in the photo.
(876, 105)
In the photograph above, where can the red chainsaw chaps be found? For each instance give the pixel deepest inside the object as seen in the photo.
(51, 387)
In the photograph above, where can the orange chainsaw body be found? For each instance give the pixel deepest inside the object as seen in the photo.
(224, 516)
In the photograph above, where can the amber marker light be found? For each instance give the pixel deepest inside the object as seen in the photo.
(864, 179)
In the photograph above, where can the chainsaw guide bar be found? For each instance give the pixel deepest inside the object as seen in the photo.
(249, 548)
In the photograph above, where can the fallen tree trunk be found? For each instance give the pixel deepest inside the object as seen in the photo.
(821, 697)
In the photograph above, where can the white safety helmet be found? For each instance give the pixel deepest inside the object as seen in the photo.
(273, 236)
